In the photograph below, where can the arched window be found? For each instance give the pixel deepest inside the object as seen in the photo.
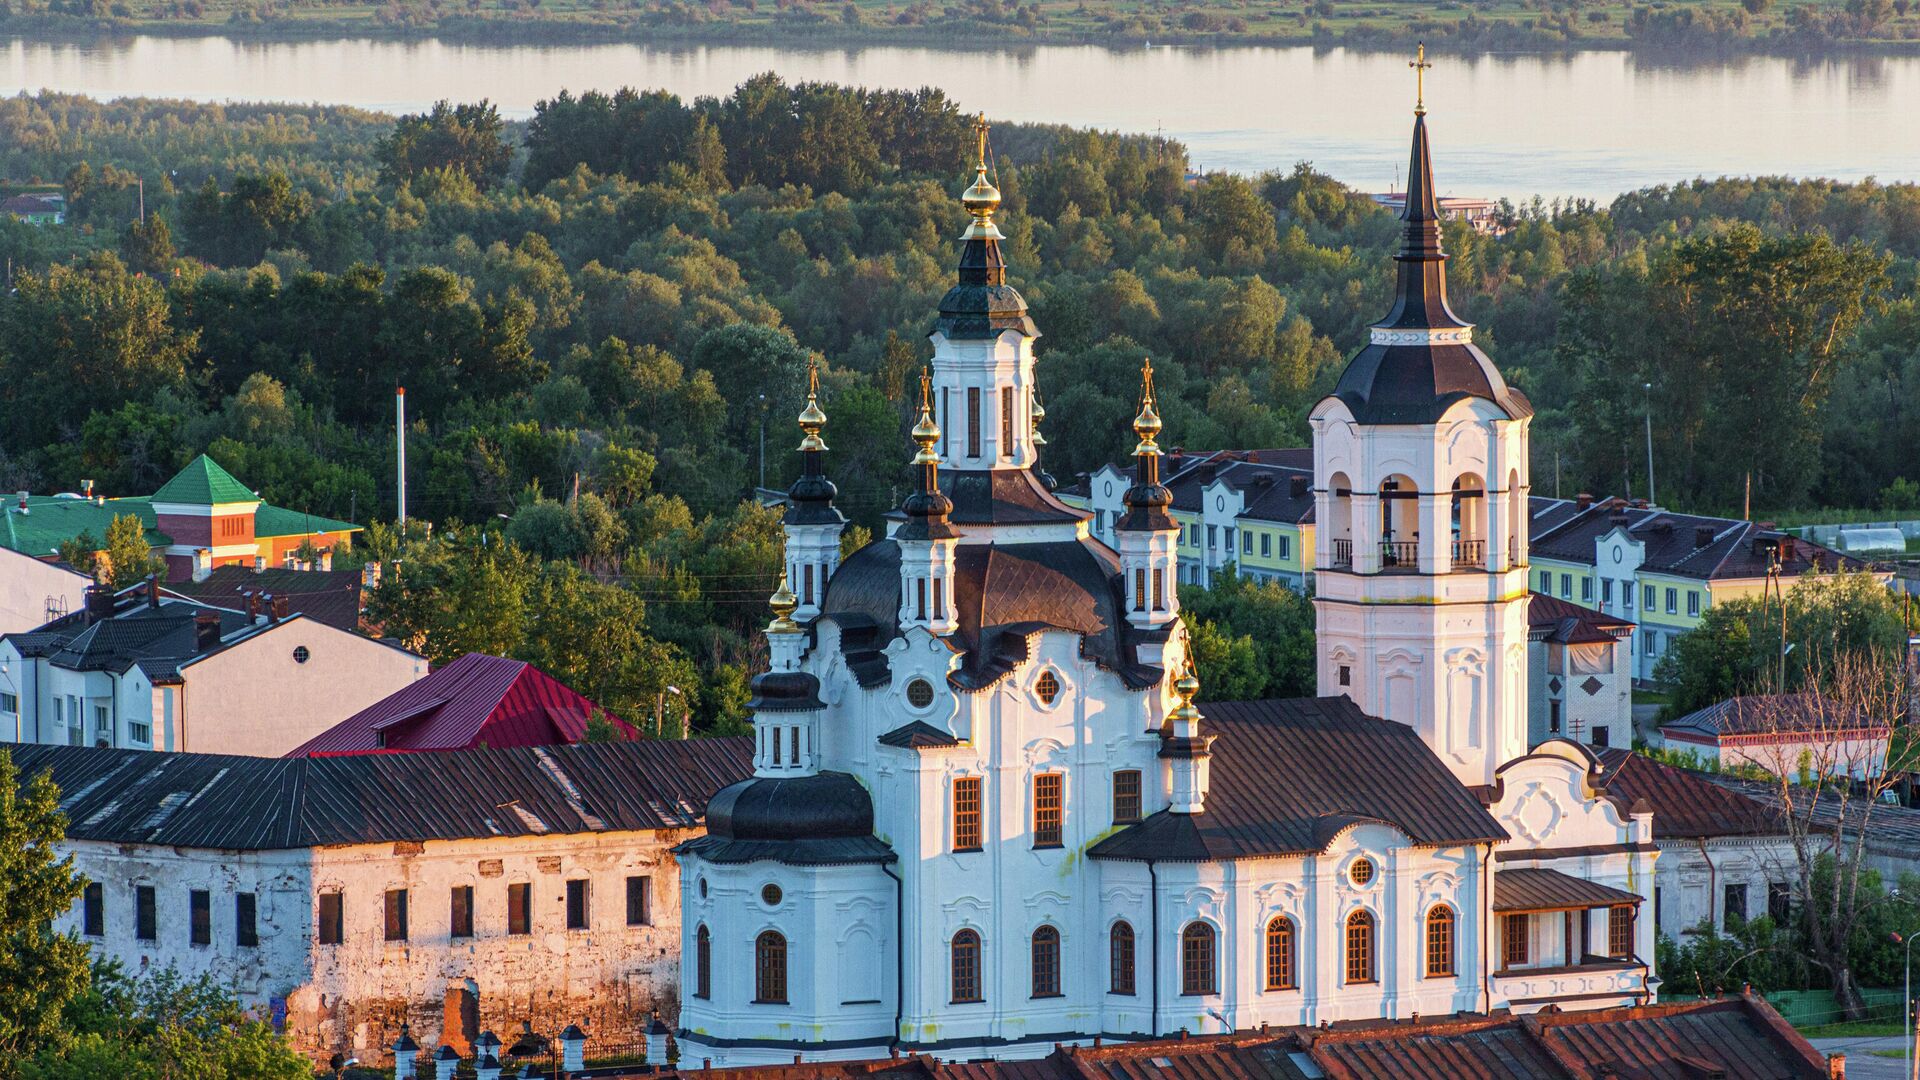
(1340, 524)
(1046, 962)
(966, 966)
(1120, 958)
(1439, 942)
(1399, 523)
(1469, 527)
(1280, 967)
(1360, 947)
(770, 968)
(702, 963)
(1196, 959)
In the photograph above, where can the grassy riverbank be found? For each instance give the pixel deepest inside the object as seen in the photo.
(1456, 25)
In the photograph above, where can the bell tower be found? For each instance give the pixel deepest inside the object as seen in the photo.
(1421, 482)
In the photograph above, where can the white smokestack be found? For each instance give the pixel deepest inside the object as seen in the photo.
(400, 436)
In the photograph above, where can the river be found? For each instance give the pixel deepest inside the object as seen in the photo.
(1588, 124)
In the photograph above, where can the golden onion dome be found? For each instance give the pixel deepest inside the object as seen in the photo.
(783, 603)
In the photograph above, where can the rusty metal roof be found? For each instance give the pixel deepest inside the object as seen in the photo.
(1534, 889)
(1290, 774)
(247, 803)
(1685, 804)
(1740, 1038)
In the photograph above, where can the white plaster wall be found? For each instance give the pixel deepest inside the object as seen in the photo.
(1693, 875)
(254, 698)
(1610, 707)
(354, 996)
(30, 589)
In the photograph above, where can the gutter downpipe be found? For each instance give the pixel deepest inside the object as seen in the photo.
(1153, 929)
(899, 953)
(1713, 878)
(1486, 932)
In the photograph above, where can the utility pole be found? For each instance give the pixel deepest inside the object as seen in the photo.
(142, 182)
(1651, 499)
(763, 442)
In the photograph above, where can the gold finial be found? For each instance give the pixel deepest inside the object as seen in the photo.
(926, 432)
(982, 199)
(1419, 65)
(1147, 423)
(783, 603)
(1038, 414)
(811, 418)
(1184, 688)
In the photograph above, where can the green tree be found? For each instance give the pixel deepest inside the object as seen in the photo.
(128, 555)
(466, 138)
(147, 246)
(37, 885)
(112, 331)
(163, 1027)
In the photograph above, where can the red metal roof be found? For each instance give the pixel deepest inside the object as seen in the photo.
(1685, 805)
(478, 700)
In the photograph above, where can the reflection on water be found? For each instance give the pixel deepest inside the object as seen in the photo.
(1584, 123)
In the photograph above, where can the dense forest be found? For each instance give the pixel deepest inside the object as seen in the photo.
(601, 316)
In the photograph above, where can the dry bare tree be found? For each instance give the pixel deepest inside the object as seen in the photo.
(1832, 753)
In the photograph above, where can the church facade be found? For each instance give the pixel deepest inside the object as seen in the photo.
(987, 815)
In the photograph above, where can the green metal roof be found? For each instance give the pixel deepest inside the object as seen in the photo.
(51, 521)
(204, 483)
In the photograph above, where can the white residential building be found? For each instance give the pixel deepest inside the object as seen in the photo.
(456, 892)
(34, 592)
(145, 669)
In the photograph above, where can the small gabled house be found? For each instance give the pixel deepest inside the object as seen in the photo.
(144, 669)
(1580, 677)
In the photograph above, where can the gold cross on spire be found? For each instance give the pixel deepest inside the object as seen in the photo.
(980, 135)
(1420, 65)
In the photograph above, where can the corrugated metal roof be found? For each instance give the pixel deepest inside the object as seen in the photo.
(1535, 889)
(1685, 805)
(1289, 774)
(330, 596)
(478, 700)
(1554, 619)
(1769, 714)
(247, 803)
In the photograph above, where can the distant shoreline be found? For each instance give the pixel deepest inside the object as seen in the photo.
(510, 33)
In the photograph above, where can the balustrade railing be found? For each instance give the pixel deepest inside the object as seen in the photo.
(1343, 554)
(1469, 553)
(1399, 554)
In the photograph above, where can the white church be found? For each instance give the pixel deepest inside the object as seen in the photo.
(987, 816)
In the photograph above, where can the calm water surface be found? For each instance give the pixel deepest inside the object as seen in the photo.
(1588, 124)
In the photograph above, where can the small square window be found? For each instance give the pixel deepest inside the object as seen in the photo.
(461, 925)
(331, 929)
(577, 904)
(520, 908)
(396, 915)
(246, 922)
(200, 916)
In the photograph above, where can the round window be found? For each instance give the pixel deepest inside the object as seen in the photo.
(1361, 872)
(770, 895)
(919, 693)
(300, 654)
(1048, 687)
(703, 888)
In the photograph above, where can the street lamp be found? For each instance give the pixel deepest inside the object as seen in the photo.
(1651, 499)
(1906, 1003)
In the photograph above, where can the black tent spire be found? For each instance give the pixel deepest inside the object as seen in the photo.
(1420, 295)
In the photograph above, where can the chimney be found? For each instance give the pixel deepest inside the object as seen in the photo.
(1789, 547)
(279, 605)
(153, 590)
(202, 564)
(1583, 500)
(1297, 486)
(206, 630)
(370, 575)
(1702, 536)
(253, 604)
(656, 1042)
(1836, 1067)
(99, 601)
(1639, 504)
(86, 489)
(326, 560)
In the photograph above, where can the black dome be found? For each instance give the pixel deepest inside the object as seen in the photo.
(826, 806)
(785, 691)
(1416, 384)
(1002, 593)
